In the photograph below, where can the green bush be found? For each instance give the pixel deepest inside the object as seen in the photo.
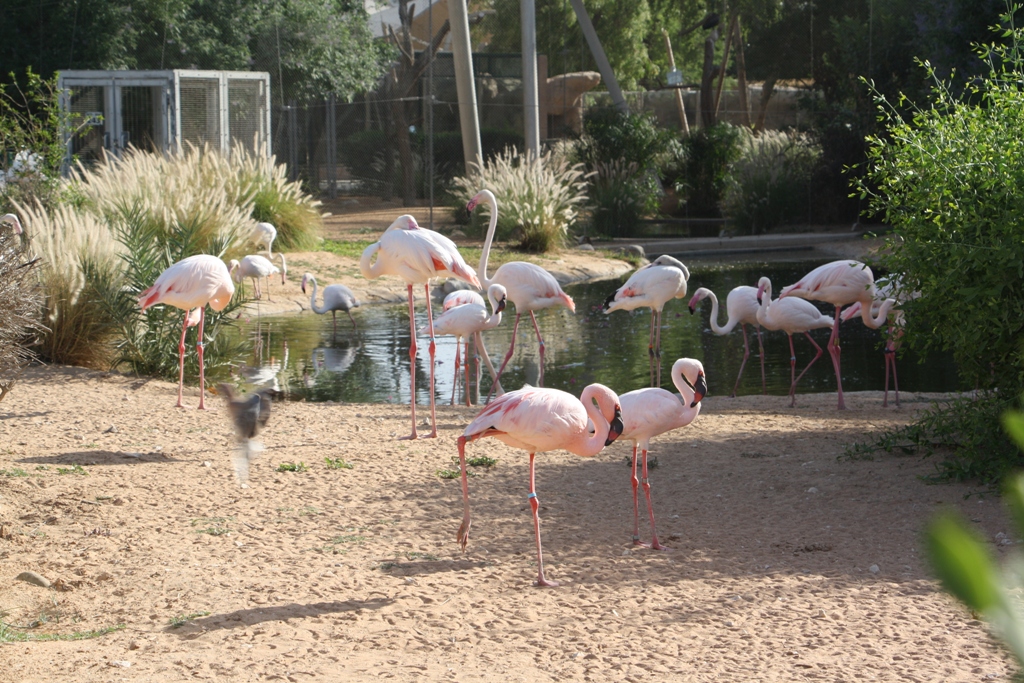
(700, 169)
(949, 182)
(769, 184)
(620, 197)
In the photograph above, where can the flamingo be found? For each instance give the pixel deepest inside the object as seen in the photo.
(537, 420)
(249, 414)
(416, 254)
(257, 267)
(13, 220)
(191, 284)
(265, 233)
(841, 283)
(741, 305)
(891, 289)
(652, 287)
(792, 316)
(467, 296)
(465, 321)
(336, 298)
(529, 287)
(649, 412)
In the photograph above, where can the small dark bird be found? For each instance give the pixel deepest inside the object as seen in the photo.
(249, 413)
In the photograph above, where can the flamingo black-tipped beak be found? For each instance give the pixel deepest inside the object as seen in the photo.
(609, 301)
(692, 310)
(303, 286)
(700, 390)
(759, 297)
(615, 428)
(501, 304)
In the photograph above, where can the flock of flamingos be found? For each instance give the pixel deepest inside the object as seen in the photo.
(537, 419)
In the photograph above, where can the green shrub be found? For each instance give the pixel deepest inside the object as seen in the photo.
(769, 184)
(538, 197)
(700, 169)
(620, 197)
(276, 200)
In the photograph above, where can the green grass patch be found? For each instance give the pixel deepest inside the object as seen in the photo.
(292, 467)
(214, 526)
(14, 472)
(481, 461)
(454, 474)
(181, 620)
(15, 634)
(74, 469)
(337, 464)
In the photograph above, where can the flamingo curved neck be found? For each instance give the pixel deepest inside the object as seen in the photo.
(370, 271)
(874, 322)
(592, 444)
(764, 304)
(715, 327)
(495, 318)
(312, 300)
(687, 414)
(486, 281)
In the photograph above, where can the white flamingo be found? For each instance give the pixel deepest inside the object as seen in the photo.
(741, 306)
(792, 316)
(652, 287)
(255, 266)
(646, 413)
(265, 234)
(529, 287)
(336, 298)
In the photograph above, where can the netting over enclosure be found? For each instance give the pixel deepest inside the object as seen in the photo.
(166, 110)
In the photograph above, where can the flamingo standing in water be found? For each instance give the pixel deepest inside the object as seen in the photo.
(649, 412)
(336, 298)
(416, 255)
(652, 287)
(191, 284)
(256, 267)
(841, 283)
(529, 287)
(464, 321)
(891, 289)
(538, 420)
(13, 220)
(467, 296)
(741, 305)
(792, 316)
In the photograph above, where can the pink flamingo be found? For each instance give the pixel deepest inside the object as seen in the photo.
(892, 289)
(538, 420)
(792, 316)
(529, 287)
(467, 296)
(190, 284)
(652, 287)
(840, 283)
(465, 321)
(13, 220)
(461, 297)
(416, 255)
(646, 413)
(255, 266)
(741, 305)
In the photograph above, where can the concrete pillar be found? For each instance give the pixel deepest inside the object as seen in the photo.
(465, 85)
(531, 114)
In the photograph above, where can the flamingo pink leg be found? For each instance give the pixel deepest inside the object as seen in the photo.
(455, 380)
(834, 351)
(746, 355)
(535, 506)
(412, 365)
(334, 316)
(463, 535)
(511, 348)
(890, 359)
(199, 345)
(650, 348)
(466, 385)
(540, 342)
(432, 348)
(636, 501)
(181, 360)
(657, 348)
(760, 347)
(645, 482)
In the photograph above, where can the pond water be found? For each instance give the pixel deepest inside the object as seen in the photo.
(297, 354)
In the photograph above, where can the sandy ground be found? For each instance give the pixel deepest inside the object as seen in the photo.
(789, 563)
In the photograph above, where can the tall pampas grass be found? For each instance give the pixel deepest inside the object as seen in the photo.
(539, 198)
(20, 301)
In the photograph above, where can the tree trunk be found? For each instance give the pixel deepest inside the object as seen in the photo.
(707, 82)
(741, 77)
(766, 94)
(725, 61)
(404, 152)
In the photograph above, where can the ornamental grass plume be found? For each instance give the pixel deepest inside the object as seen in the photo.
(20, 301)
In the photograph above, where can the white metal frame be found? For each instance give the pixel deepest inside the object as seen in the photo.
(170, 113)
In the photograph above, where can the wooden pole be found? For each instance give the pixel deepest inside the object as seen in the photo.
(465, 86)
(679, 90)
(725, 60)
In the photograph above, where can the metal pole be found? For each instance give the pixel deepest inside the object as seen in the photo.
(679, 90)
(293, 142)
(430, 113)
(465, 86)
(531, 122)
(599, 56)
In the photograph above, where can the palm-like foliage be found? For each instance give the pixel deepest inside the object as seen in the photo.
(20, 301)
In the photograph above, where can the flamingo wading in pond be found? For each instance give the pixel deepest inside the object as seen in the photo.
(465, 321)
(652, 287)
(741, 305)
(256, 267)
(416, 255)
(792, 316)
(467, 296)
(191, 284)
(537, 420)
(529, 287)
(646, 413)
(841, 283)
(336, 298)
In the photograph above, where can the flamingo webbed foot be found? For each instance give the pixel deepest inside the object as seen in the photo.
(545, 583)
